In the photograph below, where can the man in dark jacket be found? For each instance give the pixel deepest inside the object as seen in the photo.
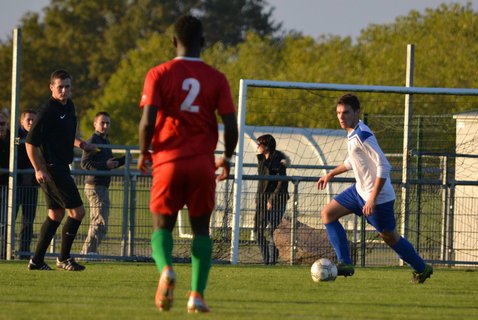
(271, 197)
(27, 191)
(96, 187)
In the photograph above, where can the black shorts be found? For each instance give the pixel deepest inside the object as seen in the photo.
(61, 192)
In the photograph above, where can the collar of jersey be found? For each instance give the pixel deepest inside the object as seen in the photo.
(188, 58)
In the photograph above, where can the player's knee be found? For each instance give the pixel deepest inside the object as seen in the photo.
(325, 215)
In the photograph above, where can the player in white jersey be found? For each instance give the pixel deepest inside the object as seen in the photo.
(372, 195)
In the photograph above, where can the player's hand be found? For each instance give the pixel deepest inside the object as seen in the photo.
(42, 176)
(144, 162)
(112, 163)
(226, 167)
(368, 208)
(322, 183)
(269, 205)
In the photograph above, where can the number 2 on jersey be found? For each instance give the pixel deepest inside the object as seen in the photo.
(192, 86)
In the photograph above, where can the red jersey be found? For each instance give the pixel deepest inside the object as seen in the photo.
(187, 93)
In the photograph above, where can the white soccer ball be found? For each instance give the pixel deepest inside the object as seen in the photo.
(323, 270)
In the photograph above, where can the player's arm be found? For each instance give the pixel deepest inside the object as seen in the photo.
(146, 132)
(38, 163)
(83, 145)
(373, 150)
(230, 142)
(324, 180)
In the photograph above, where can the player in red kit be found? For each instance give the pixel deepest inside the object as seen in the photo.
(180, 100)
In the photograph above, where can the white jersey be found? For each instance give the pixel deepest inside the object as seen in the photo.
(368, 162)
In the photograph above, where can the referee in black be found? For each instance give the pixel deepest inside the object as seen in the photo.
(49, 145)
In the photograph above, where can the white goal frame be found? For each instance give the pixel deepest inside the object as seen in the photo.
(244, 84)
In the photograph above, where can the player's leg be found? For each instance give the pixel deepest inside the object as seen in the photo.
(162, 252)
(337, 236)
(47, 231)
(383, 219)
(201, 190)
(76, 212)
(167, 198)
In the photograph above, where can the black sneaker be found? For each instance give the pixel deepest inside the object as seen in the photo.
(38, 266)
(421, 277)
(69, 265)
(345, 269)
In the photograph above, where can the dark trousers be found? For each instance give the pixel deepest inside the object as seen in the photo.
(27, 198)
(271, 218)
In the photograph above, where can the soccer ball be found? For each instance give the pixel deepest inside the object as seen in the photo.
(323, 270)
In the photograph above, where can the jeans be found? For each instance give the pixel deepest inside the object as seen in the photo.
(273, 218)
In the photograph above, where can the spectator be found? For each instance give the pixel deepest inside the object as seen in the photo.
(96, 187)
(271, 197)
(27, 194)
(4, 160)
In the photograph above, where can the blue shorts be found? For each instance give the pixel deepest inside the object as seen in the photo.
(383, 217)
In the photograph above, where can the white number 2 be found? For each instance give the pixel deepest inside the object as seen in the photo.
(192, 86)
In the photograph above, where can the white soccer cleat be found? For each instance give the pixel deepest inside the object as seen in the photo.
(196, 303)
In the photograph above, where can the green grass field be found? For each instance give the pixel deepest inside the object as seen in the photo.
(126, 291)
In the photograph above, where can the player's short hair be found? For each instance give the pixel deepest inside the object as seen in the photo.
(268, 141)
(351, 100)
(102, 113)
(59, 74)
(188, 30)
(27, 111)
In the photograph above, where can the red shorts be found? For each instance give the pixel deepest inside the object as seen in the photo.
(189, 181)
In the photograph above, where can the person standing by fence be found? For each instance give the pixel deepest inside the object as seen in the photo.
(371, 196)
(271, 196)
(179, 102)
(27, 194)
(4, 161)
(97, 187)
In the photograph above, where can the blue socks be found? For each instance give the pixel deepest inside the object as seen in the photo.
(407, 253)
(338, 239)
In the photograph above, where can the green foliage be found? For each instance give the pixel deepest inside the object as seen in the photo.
(126, 291)
(122, 95)
(108, 46)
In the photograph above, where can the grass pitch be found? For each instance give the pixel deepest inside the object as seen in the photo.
(126, 291)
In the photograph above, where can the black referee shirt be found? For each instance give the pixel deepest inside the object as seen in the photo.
(54, 131)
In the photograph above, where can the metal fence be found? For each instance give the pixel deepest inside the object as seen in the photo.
(441, 220)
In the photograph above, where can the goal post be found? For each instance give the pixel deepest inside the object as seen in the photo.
(246, 85)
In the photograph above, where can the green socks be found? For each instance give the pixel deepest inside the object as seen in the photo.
(162, 246)
(201, 252)
(201, 262)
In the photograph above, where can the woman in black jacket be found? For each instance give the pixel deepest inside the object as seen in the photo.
(272, 195)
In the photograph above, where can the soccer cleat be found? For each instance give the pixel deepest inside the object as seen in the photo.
(345, 269)
(196, 303)
(421, 277)
(69, 265)
(38, 266)
(164, 293)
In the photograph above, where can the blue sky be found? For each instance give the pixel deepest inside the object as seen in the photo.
(312, 17)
